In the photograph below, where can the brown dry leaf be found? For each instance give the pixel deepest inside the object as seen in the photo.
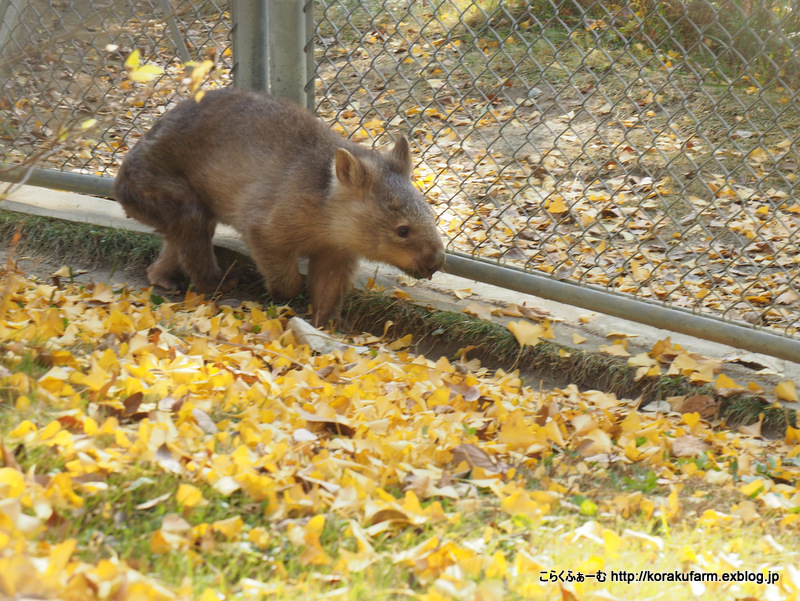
(753, 429)
(689, 446)
(204, 421)
(468, 393)
(132, 403)
(706, 406)
(535, 313)
(167, 460)
(336, 424)
(787, 298)
(747, 510)
(7, 457)
(172, 522)
(474, 456)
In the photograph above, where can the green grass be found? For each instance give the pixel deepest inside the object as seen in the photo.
(112, 524)
(79, 242)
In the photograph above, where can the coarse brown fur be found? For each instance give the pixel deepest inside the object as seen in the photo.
(288, 184)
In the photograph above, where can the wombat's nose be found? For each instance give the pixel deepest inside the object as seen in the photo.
(435, 262)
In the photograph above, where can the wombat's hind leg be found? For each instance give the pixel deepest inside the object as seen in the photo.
(196, 252)
(166, 272)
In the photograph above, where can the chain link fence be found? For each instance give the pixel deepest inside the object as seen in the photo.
(642, 149)
(63, 62)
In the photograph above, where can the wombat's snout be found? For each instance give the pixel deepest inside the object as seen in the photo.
(433, 263)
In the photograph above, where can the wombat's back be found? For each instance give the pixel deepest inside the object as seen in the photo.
(238, 143)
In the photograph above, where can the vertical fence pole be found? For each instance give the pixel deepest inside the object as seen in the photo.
(311, 64)
(250, 44)
(9, 15)
(175, 31)
(287, 41)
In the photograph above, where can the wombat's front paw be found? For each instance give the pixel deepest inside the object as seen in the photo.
(168, 280)
(286, 288)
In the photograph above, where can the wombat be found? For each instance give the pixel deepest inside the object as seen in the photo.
(288, 184)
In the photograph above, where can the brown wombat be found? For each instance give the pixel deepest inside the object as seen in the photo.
(288, 184)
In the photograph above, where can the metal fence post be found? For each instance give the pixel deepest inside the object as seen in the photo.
(9, 14)
(175, 31)
(311, 64)
(249, 32)
(287, 41)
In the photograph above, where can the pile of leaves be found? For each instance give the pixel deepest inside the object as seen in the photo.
(198, 449)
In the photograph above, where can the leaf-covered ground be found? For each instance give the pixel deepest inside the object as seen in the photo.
(158, 450)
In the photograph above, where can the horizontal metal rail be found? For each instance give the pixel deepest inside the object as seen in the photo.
(659, 316)
(80, 183)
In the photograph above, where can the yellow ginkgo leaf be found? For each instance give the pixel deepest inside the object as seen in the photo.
(199, 73)
(188, 495)
(786, 391)
(132, 62)
(145, 73)
(12, 483)
(530, 334)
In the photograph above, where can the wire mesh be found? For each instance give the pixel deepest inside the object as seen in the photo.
(645, 148)
(62, 62)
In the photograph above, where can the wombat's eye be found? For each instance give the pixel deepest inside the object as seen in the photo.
(403, 231)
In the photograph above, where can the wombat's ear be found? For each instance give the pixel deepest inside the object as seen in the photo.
(348, 169)
(400, 156)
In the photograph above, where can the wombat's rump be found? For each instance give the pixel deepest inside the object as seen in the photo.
(288, 184)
